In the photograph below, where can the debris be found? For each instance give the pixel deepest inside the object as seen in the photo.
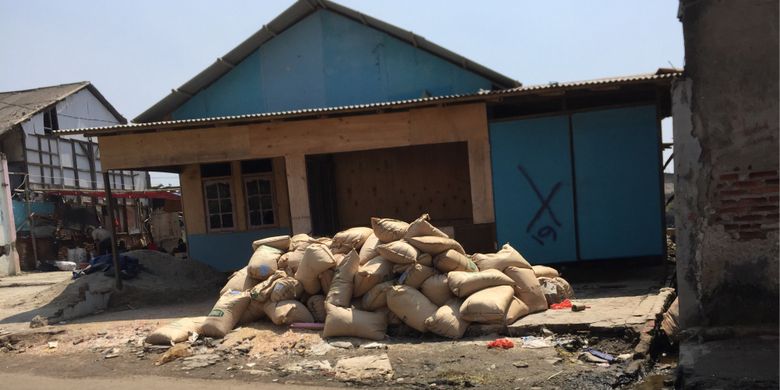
(670, 324)
(578, 307)
(257, 372)
(111, 356)
(250, 365)
(554, 375)
(547, 332)
(364, 368)
(307, 325)
(565, 304)
(200, 361)
(193, 337)
(536, 342)
(177, 351)
(39, 321)
(320, 349)
(501, 343)
(341, 344)
(52, 344)
(591, 358)
(601, 355)
(520, 364)
(374, 345)
(624, 356)
(554, 361)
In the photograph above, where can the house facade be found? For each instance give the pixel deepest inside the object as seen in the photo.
(327, 117)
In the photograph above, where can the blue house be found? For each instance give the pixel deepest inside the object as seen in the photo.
(327, 117)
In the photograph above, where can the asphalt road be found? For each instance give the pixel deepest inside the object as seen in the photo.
(36, 382)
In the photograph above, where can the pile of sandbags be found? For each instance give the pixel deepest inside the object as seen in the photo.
(363, 279)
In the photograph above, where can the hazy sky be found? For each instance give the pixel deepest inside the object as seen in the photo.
(136, 51)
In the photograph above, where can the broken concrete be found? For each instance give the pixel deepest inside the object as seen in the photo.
(364, 368)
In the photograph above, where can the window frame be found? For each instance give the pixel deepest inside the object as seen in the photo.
(274, 206)
(216, 180)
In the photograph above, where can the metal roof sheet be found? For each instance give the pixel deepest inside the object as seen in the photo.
(299, 10)
(447, 99)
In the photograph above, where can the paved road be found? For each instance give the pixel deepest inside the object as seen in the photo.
(36, 382)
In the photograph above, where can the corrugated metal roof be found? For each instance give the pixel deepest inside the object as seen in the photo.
(439, 100)
(296, 12)
(19, 106)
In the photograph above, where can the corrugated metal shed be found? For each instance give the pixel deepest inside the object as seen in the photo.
(18, 106)
(286, 19)
(552, 88)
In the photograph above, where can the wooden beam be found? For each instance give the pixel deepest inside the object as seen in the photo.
(298, 190)
(481, 179)
(192, 202)
(239, 201)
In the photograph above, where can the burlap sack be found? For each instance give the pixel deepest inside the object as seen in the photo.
(506, 257)
(464, 284)
(300, 241)
(392, 319)
(287, 312)
(341, 289)
(176, 331)
(555, 289)
(568, 292)
(279, 242)
(421, 227)
(517, 310)
(399, 269)
(339, 257)
(253, 313)
(376, 298)
(326, 279)
(527, 288)
(286, 288)
(452, 260)
(543, 271)
(388, 229)
(354, 323)
(262, 291)
(436, 289)
(263, 262)
(316, 306)
(225, 314)
(290, 261)
(434, 245)
(399, 252)
(316, 259)
(368, 250)
(376, 271)
(425, 259)
(240, 281)
(487, 306)
(416, 275)
(410, 305)
(447, 321)
(349, 239)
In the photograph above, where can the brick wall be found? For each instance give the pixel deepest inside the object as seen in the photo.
(748, 203)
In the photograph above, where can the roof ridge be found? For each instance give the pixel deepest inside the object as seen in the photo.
(83, 83)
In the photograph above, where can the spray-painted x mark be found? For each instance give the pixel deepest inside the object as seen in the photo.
(545, 201)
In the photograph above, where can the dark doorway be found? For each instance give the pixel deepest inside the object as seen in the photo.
(322, 195)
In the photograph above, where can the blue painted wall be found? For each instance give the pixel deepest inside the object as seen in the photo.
(20, 212)
(617, 206)
(329, 60)
(227, 251)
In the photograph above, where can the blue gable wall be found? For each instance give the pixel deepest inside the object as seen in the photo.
(329, 60)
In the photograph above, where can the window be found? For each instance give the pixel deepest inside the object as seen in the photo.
(50, 122)
(260, 200)
(219, 204)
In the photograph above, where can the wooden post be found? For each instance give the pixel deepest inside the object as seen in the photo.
(298, 188)
(112, 229)
(30, 218)
(480, 175)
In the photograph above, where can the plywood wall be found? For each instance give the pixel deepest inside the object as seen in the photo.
(404, 183)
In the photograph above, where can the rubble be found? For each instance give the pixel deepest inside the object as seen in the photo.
(364, 368)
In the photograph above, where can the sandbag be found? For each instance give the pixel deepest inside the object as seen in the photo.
(287, 312)
(487, 306)
(316, 259)
(300, 242)
(225, 314)
(436, 289)
(376, 298)
(286, 288)
(399, 252)
(326, 279)
(316, 306)
(176, 331)
(425, 259)
(416, 275)
(421, 227)
(516, 310)
(354, 323)
(262, 291)
(279, 242)
(568, 292)
(447, 321)
(349, 239)
(339, 257)
(399, 269)
(340, 292)
(392, 319)
(555, 289)
(506, 257)
(239, 281)
(263, 262)
(411, 306)
(376, 271)
(527, 288)
(543, 271)
(290, 261)
(368, 250)
(452, 260)
(434, 244)
(253, 313)
(388, 229)
(464, 284)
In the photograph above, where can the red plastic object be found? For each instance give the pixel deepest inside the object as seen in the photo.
(501, 343)
(565, 304)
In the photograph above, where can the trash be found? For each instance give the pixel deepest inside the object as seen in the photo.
(341, 344)
(307, 325)
(374, 345)
(602, 355)
(565, 304)
(65, 265)
(39, 321)
(176, 352)
(533, 342)
(554, 361)
(578, 307)
(624, 357)
(501, 343)
(520, 364)
(52, 344)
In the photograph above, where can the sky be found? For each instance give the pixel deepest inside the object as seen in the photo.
(135, 52)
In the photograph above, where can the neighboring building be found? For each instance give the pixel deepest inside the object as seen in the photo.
(727, 193)
(327, 117)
